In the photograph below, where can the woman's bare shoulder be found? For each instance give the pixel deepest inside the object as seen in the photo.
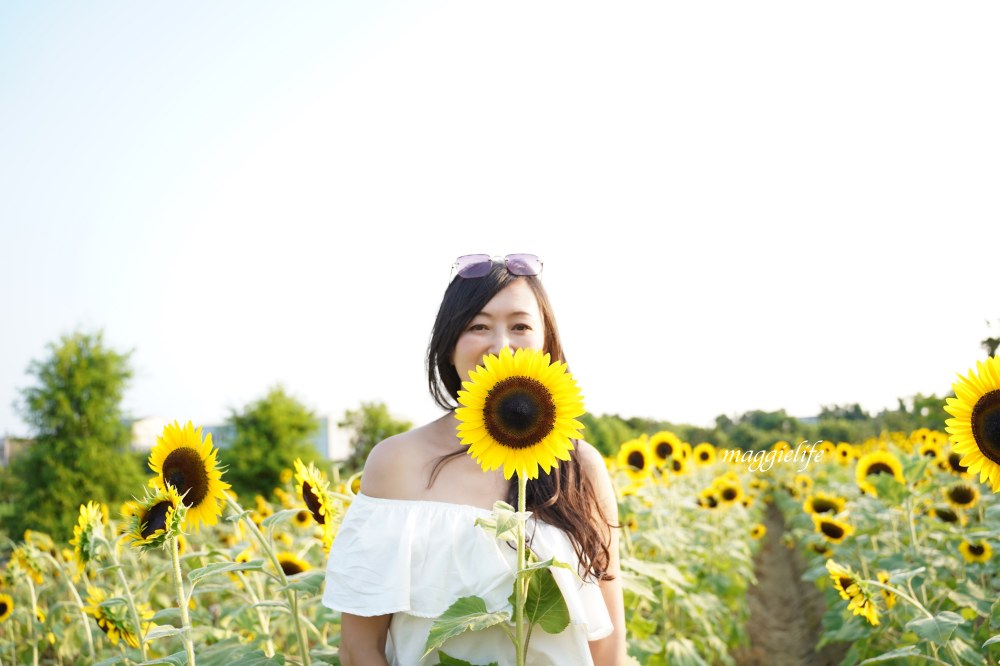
(393, 468)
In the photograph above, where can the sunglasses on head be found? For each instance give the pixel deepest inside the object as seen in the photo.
(478, 265)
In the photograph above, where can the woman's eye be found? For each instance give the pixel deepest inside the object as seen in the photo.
(521, 327)
(478, 327)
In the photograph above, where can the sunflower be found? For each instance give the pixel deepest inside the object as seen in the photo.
(519, 412)
(821, 502)
(636, 459)
(820, 548)
(678, 465)
(828, 448)
(948, 515)
(154, 519)
(28, 559)
(877, 462)
(930, 449)
(975, 430)
(854, 591)
(182, 459)
(704, 454)
(292, 564)
(113, 619)
(6, 607)
(86, 530)
(758, 531)
(834, 530)
(664, 445)
(803, 482)
(889, 597)
(975, 552)
(729, 493)
(845, 453)
(314, 489)
(781, 445)
(708, 499)
(954, 460)
(961, 495)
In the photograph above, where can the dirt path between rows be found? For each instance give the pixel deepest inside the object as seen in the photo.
(785, 611)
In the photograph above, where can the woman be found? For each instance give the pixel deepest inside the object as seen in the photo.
(408, 546)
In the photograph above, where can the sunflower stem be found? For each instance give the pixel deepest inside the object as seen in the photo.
(31, 620)
(129, 597)
(290, 595)
(182, 600)
(79, 604)
(520, 644)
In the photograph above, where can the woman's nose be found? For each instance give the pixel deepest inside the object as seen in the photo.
(500, 340)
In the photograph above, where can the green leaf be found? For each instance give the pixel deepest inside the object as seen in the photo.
(283, 516)
(466, 614)
(937, 629)
(176, 659)
(111, 662)
(504, 522)
(681, 652)
(307, 582)
(965, 652)
(890, 491)
(995, 614)
(545, 605)
(898, 653)
(446, 660)
(163, 631)
(223, 567)
(664, 572)
(167, 616)
(992, 640)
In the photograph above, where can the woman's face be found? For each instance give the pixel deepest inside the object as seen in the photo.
(511, 319)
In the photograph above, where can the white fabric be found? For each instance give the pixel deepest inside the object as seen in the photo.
(414, 558)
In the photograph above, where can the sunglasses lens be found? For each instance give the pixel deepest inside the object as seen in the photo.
(473, 265)
(524, 264)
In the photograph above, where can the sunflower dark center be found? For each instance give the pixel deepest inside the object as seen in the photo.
(291, 567)
(955, 461)
(986, 425)
(678, 465)
(832, 530)
(636, 460)
(947, 515)
(712, 502)
(961, 494)
(823, 506)
(703, 455)
(664, 449)
(930, 452)
(519, 412)
(156, 519)
(976, 549)
(878, 468)
(3, 608)
(185, 470)
(729, 494)
(312, 503)
(845, 582)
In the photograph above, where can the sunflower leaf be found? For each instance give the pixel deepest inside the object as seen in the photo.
(163, 631)
(448, 660)
(307, 582)
(177, 659)
(466, 614)
(898, 653)
(551, 562)
(544, 605)
(283, 516)
(222, 567)
(937, 629)
(504, 522)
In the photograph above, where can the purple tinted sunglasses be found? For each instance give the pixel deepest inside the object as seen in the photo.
(478, 265)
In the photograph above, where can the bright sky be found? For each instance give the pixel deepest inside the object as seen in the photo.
(740, 205)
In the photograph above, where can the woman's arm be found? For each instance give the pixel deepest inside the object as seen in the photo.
(611, 650)
(362, 640)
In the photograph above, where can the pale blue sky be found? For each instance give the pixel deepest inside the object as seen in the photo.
(739, 205)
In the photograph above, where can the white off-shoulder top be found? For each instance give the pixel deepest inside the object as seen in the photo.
(414, 558)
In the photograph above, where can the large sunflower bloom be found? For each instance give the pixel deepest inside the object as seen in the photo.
(975, 430)
(182, 459)
(877, 462)
(519, 412)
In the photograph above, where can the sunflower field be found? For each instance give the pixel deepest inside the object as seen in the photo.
(896, 535)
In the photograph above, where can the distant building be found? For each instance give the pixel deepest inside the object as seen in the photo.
(10, 447)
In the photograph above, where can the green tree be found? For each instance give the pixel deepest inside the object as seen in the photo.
(268, 435)
(81, 438)
(370, 424)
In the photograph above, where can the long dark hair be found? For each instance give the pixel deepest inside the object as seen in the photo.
(565, 498)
